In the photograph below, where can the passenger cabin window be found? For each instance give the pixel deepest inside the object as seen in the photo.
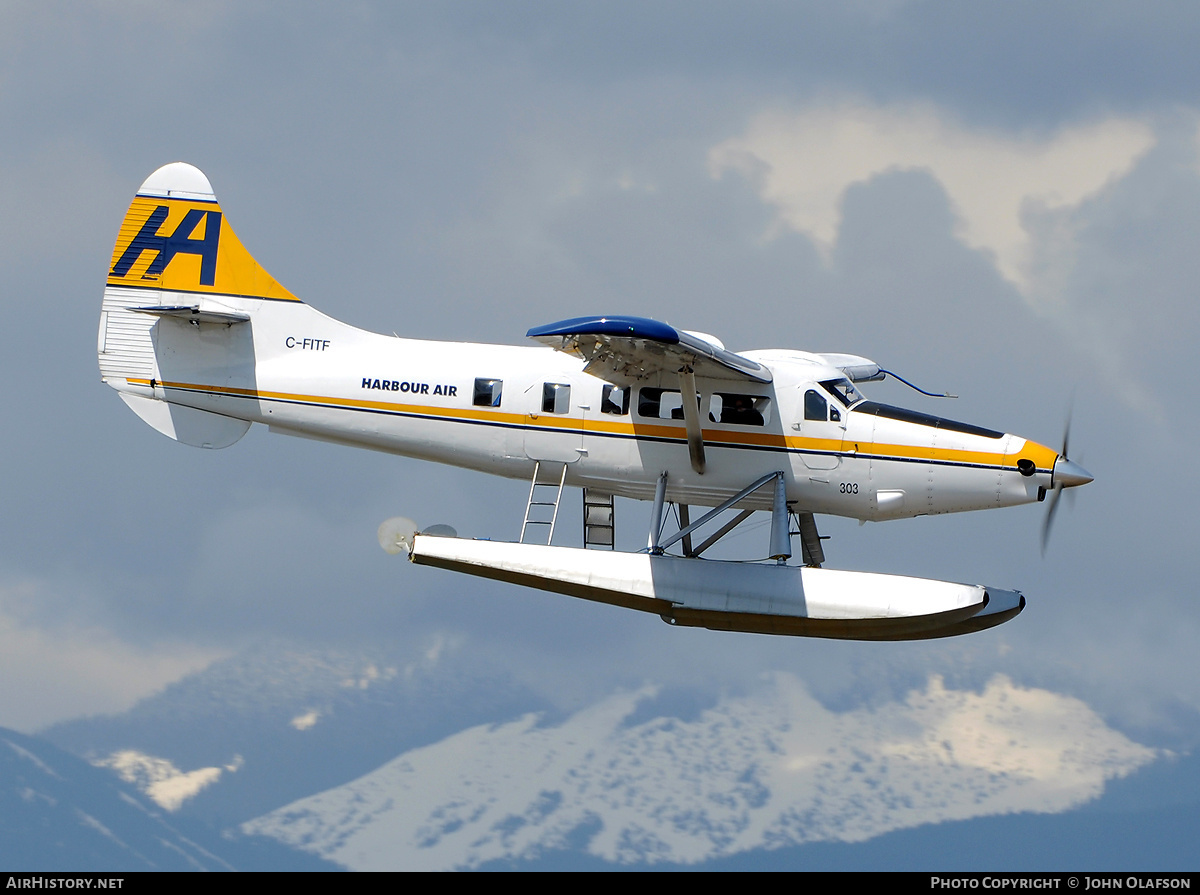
(660, 403)
(556, 397)
(741, 410)
(815, 407)
(614, 400)
(487, 392)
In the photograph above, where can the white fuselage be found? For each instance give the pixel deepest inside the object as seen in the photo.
(303, 373)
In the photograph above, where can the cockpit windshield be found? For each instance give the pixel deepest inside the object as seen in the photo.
(843, 390)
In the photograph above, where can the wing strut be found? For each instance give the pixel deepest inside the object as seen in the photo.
(691, 418)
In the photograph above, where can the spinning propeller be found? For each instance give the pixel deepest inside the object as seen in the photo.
(1066, 474)
(396, 534)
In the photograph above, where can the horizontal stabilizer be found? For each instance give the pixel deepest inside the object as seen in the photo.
(193, 313)
(624, 349)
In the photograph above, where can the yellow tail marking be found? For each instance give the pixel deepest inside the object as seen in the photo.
(182, 245)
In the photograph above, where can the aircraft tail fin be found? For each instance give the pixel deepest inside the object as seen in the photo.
(178, 262)
(175, 238)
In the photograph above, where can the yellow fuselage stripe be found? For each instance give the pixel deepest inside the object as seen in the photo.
(1042, 456)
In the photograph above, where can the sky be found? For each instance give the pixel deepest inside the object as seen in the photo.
(1000, 200)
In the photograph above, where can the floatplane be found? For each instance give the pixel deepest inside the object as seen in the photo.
(201, 343)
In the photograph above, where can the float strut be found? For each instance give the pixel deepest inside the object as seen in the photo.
(656, 515)
(781, 541)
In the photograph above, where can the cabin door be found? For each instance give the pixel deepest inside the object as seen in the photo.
(553, 421)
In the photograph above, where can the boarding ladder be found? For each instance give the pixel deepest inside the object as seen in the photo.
(545, 492)
(598, 524)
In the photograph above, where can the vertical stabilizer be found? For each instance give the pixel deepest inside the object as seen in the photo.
(178, 263)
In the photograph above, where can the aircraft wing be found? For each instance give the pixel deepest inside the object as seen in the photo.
(625, 349)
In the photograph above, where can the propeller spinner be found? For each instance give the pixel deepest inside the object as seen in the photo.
(1067, 474)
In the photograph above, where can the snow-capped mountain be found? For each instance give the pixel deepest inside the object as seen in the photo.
(59, 813)
(282, 721)
(433, 758)
(763, 771)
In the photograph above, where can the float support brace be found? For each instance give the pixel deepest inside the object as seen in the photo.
(781, 540)
(656, 515)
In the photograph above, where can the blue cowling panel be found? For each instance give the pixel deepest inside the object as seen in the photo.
(629, 327)
(615, 346)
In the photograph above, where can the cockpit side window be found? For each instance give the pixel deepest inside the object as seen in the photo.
(815, 407)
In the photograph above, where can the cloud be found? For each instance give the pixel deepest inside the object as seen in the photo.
(803, 162)
(54, 670)
(763, 771)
